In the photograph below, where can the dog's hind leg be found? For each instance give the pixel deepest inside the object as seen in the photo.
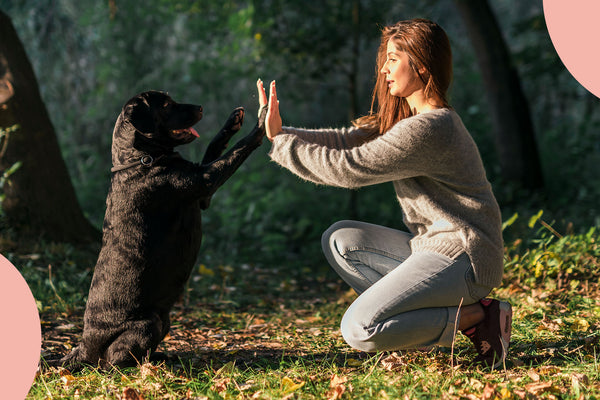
(136, 343)
(219, 142)
(128, 350)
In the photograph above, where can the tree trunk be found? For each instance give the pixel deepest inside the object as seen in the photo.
(353, 92)
(513, 130)
(39, 201)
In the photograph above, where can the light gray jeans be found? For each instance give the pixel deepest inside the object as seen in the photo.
(406, 300)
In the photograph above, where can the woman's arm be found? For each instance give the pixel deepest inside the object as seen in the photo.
(333, 138)
(415, 146)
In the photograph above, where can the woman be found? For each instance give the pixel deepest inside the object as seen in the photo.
(415, 289)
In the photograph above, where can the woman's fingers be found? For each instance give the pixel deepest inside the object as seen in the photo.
(273, 101)
(262, 95)
(273, 121)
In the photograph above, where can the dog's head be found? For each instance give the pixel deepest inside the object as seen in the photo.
(153, 123)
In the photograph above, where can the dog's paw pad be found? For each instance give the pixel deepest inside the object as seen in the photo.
(236, 119)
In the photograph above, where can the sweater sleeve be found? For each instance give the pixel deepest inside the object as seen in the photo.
(333, 138)
(404, 151)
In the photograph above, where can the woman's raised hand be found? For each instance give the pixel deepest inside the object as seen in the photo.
(273, 123)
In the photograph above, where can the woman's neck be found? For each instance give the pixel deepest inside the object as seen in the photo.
(419, 103)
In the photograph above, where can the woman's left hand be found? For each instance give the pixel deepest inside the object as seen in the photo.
(273, 123)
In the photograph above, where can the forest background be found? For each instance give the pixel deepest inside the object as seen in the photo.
(90, 57)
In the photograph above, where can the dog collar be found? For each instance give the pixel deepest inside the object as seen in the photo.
(146, 160)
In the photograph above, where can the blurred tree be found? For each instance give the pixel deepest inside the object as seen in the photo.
(513, 129)
(39, 198)
(324, 41)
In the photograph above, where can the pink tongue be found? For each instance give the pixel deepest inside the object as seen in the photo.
(194, 132)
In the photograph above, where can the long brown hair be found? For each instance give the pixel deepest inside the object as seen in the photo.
(428, 47)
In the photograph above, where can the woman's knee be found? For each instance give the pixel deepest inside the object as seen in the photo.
(337, 237)
(356, 334)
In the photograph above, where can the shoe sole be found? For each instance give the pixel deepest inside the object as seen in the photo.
(505, 330)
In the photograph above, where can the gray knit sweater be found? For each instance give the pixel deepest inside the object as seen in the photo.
(437, 172)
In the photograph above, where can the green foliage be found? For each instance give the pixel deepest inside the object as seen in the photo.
(552, 260)
(90, 57)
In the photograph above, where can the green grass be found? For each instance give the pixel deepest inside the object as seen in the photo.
(259, 332)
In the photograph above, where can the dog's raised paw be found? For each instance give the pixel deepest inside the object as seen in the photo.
(236, 119)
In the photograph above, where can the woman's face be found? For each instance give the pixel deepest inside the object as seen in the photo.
(402, 80)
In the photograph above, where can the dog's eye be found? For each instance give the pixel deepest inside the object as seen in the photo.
(167, 104)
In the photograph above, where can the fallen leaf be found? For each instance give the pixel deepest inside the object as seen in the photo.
(488, 391)
(581, 378)
(580, 325)
(288, 386)
(541, 387)
(475, 384)
(147, 370)
(67, 379)
(549, 369)
(336, 387)
(533, 375)
(247, 385)
(336, 392)
(505, 393)
(353, 362)
(337, 380)
(220, 385)
(131, 394)
(393, 362)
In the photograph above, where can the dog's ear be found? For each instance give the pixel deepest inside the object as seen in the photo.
(140, 115)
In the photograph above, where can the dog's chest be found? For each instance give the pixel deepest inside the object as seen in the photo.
(152, 213)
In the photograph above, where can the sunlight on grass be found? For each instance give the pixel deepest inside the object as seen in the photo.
(252, 332)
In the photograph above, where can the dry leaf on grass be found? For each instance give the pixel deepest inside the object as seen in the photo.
(336, 387)
(66, 378)
(393, 362)
(148, 370)
(577, 379)
(539, 388)
(131, 394)
(489, 391)
(289, 386)
(353, 362)
(580, 325)
(220, 385)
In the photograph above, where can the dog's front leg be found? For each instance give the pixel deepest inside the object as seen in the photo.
(208, 178)
(211, 176)
(219, 142)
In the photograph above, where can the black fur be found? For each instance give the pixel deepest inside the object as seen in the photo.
(152, 228)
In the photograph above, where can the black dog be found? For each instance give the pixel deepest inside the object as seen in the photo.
(152, 229)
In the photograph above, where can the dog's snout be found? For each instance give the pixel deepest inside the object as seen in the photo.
(192, 109)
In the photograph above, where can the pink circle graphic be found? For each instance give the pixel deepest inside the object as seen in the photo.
(573, 28)
(20, 335)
